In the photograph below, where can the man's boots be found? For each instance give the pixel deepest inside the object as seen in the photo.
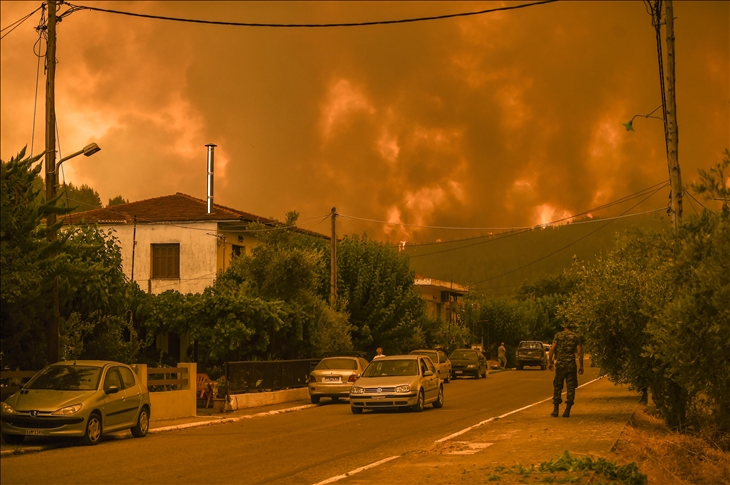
(556, 411)
(566, 414)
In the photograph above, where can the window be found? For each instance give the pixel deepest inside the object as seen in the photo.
(166, 261)
(112, 379)
(127, 377)
(237, 250)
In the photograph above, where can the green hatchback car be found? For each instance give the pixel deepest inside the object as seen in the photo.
(83, 398)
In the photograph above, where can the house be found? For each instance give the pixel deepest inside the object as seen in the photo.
(174, 242)
(441, 297)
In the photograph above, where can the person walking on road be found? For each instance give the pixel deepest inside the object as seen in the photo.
(566, 346)
(502, 355)
(379, 353)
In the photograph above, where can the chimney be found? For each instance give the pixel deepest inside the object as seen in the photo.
(211, 166)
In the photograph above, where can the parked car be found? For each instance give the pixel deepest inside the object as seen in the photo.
(468, 362)
(84, 398)
(532, 353)
(333, 377)
(440, 361)
(401, 381)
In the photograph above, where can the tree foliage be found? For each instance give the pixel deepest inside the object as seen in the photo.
(375, 287)
(78, 199)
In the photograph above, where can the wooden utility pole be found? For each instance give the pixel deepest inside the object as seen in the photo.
(675, 176)
(333, 261)
(53, 339)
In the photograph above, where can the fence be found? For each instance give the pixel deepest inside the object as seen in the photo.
(12, 380)
(259, 376)
(167, 382)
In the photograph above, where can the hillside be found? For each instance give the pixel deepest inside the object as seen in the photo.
(499, 264)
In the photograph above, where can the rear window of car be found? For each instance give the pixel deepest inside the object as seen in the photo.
(463, 354)
(349, 364)
(431, 355)
(66, 378)
(381, 368)
(530, 345)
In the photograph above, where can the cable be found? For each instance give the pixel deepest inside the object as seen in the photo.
(350, 24)
(567, 245)
(17, 23)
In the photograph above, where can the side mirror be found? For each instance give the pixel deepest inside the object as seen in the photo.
(112, 390)
(427, 373)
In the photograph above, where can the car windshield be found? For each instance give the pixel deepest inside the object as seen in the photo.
(380, 368)
(432, 355)
(463, 355)
(348, 364)
(530, 345)
(66, 378)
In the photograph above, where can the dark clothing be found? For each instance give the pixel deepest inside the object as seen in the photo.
(566, 369)
(570, 376)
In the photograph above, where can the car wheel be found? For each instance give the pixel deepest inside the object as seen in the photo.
(143, 424)
(92, 435)
(448, 378)
(418, 407)
(478, 374)
(13, 439)
(439, 402)
(355, 410)
(519, 367)
(485, 373)
(454, 376)
(543, 367)
(315, 399)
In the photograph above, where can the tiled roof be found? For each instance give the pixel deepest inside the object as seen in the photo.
(170, 208)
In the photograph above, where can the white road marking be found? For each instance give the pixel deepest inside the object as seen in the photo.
(217, 420)
(466, 430)
(357, 470)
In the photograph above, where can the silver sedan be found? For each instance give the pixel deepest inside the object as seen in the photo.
(401, 381)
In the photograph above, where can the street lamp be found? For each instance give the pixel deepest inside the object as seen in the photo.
(87, 151)
(630, 125)
(54, 325)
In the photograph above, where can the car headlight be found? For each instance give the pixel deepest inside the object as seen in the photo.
(8, 409)
(68, 410)
(357, 390)
(403, 389)
(471, 366)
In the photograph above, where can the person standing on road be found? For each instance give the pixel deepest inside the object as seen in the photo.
(566, 346)
(502, 355)
(379, 353)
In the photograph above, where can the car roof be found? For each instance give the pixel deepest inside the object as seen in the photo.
(424, 350)
(398, 357)
(89, 363)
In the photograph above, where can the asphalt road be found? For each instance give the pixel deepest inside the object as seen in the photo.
(303, 447)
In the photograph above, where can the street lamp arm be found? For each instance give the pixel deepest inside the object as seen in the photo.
(88, 150)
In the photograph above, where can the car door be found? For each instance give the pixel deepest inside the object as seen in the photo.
(445, 364)
(430, 383)
(132, 395)
(114, 402)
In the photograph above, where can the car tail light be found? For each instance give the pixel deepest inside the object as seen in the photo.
(352, 378)
(311, 379)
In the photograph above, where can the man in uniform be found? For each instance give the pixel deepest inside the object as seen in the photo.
(502, 355)
(566, 345)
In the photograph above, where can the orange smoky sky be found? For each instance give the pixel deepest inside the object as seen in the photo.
(505, 119)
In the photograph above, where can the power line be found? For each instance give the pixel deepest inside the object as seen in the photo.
(74, 8)
(17, 23)
(567, 245)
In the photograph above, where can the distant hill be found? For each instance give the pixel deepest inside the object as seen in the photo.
(499, 264)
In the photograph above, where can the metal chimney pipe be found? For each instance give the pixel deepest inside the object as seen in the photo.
(211, 166)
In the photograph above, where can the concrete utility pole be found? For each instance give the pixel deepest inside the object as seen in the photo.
(54, 340)
(333, 261)
(675, 176)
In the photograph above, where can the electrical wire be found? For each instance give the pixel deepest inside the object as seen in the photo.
(567, 245)
(635, 195)
(75, 8)
(17, 23)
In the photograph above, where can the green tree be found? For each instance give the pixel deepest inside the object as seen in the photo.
(78, 199)
(118, 200)
(713, 184)
(375, 288)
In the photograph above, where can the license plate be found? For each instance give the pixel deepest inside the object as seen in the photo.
(331, 379)
(34, 432)
(378, 398)
(457, 372)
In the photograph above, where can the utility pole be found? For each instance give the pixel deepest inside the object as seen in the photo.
(53, 340)
(333, 261)
(675, 176)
